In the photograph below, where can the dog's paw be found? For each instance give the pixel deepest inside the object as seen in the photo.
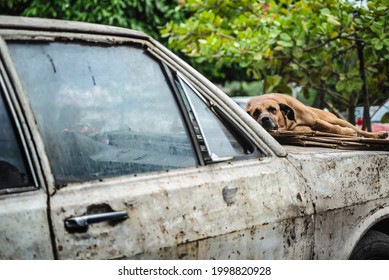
(383, 134)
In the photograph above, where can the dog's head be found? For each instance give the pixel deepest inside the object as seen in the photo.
(270, 113)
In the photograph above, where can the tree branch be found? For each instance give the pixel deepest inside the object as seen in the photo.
(325, 42)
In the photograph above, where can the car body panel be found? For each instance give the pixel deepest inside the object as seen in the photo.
(193, 205)
(347, 190)
(340, 229)
(341, 179)
(24, 231)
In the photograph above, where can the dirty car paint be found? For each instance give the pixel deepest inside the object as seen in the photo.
(180, 208)
(348, 189)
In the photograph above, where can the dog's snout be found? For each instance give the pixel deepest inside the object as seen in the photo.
(265, 119)
(268, 123)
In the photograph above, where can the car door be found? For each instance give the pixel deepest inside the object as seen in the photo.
(145, 166)
(24, 226)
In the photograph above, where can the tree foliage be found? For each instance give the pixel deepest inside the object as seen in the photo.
(145, 15)
(279, 44)
(311, 44)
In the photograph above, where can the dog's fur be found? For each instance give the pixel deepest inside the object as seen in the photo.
(275, 111)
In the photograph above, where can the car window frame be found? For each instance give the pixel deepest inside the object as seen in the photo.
(208, 155)
(170, 74)
(264, 145)
(6, 93)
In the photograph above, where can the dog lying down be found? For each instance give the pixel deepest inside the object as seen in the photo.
(276, 111)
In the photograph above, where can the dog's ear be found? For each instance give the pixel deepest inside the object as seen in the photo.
(249, 110)
(288, 111)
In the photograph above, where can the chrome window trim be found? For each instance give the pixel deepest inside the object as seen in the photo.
(207, 153)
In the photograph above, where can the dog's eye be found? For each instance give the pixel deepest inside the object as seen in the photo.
(256, 113)
(272, 110)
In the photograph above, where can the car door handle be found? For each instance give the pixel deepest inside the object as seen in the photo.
(81, 223)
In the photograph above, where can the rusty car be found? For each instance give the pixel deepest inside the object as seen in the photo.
(112, 147)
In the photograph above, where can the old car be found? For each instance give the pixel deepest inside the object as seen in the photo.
(241, 100)
(112, 147)
(380, 119)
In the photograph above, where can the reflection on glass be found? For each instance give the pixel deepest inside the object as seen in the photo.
(102, 110)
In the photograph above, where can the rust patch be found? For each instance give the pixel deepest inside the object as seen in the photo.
(180, 237)
(98, 208)
(163, 229)
(290, 231)
(252, 230)
(331, 165)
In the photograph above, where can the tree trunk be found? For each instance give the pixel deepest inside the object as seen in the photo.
(366, 105)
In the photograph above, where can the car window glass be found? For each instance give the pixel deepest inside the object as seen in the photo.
(219, 140)
(103, 111)
(13, 171)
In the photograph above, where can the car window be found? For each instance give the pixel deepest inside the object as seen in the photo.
(103, 111)
(217, 138)
(13, 170)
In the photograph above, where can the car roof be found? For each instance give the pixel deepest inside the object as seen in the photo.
(27, 23)
(379, 113)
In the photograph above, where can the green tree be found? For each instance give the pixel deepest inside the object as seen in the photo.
(13, 8)
(144, 15)
(311, 44)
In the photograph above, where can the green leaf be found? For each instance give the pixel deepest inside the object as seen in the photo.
(285, 44)
(244, 63)
(372, 69)
(294, 66)
(258, 56)
(274, 33)
(358, 21)
(377, 28)
(325, 11)
(377, 43)
(274, 80)
(325, 72)
(354, 85)
(285, 37)
(332, 20)
(341, 85)
(297, 52)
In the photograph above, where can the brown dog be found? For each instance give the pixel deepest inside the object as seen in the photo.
(275, 111)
